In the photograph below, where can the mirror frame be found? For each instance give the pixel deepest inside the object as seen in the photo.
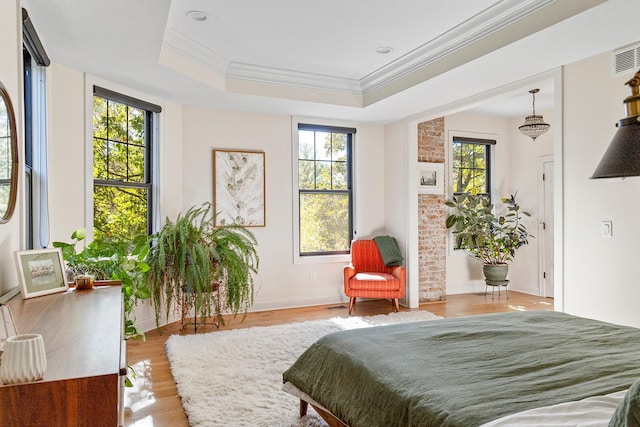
(13, 188)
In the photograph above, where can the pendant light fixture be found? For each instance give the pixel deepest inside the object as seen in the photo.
(534, 125)
(622, 158)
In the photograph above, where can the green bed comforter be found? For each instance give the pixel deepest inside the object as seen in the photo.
(465, 371)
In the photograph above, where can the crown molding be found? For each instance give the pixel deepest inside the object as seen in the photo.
(473, 29)
(283, 77)
(180, 43)
(493, 28)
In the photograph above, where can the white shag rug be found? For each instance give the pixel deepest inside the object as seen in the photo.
(234, 377)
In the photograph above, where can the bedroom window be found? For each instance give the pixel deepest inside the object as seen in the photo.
(123, 134)
(325, 195)
(34, 63)
(471, 160)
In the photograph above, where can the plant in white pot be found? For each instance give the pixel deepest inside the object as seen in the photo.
(491, 238)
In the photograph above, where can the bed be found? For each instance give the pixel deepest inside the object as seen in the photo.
(468, 371)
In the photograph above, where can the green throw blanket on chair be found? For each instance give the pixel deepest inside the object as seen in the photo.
(389, 250)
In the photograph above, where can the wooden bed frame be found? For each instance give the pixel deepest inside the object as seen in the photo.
(331, 419)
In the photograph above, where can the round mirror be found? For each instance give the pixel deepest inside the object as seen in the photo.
(8, 157)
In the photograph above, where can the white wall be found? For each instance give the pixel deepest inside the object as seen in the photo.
(281, 283)
(515, 170)
(601, 274)
(10, 76)
(396, 201)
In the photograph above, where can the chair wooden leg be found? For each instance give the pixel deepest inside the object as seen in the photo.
(396, 305)
(352, 303)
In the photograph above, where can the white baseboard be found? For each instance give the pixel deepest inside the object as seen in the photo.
(283, 303)
(466, 288)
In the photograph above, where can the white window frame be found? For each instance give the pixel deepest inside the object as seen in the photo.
(317, 259)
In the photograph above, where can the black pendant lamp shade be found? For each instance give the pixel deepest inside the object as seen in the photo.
(622, 158)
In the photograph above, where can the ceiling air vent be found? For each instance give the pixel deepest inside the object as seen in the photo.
(626, 59)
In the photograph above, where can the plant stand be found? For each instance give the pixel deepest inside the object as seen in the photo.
(498, 284)
(195, 323)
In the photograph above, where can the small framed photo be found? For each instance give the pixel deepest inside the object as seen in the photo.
(430, 178)
(41, 272)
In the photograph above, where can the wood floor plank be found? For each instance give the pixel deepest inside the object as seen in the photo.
(154, 400)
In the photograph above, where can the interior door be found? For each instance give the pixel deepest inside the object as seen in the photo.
(545, 229)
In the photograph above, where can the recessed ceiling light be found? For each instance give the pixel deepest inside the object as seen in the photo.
(384, 49)
(197, 15)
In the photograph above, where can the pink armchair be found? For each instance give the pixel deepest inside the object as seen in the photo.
(366, 276)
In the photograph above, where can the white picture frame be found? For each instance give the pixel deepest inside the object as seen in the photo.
(41, 272)
(430, 178)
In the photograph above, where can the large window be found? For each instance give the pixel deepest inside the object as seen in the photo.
(325, 189)
(123, 130)
(34, 62)
(471, 161)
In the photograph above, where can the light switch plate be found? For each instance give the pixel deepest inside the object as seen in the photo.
(607, 229)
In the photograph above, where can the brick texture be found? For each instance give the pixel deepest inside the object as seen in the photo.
(432, 231)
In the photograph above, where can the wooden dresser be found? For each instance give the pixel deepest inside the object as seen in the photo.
(86, 360)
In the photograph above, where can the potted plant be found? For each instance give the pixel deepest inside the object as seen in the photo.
(491, 238)
(108, 261)
(195, 265)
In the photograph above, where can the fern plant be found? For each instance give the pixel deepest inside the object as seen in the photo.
(194, 265)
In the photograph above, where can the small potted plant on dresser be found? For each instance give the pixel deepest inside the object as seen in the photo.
(110, 261)
(491, 238)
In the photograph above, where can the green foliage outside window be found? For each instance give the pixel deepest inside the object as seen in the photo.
(121, 181)
(324, 191)
(470, 168)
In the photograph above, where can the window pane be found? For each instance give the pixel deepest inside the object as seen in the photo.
(117, 161)
(339, 176)
(117, 122)
(306, 175)
(323, 175)
(323, 146)
(324, 222)
(119, 213)
(136, 164)
(339, 147)
(99, 117)
(136, 126)
(306, 144)
(470, 167)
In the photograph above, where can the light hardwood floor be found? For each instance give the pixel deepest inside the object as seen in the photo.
(154, 400)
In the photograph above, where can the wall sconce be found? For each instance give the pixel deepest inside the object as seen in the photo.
(534, 125)
(622, 157)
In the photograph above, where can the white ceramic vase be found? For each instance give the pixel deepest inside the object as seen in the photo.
(23, 359)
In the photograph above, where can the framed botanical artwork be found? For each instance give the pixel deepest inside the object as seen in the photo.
(239, 188)
(430, 178)
(41, 272)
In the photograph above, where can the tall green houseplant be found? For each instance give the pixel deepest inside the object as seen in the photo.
(479, 231)
(195, 265)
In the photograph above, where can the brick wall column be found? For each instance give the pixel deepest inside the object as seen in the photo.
(432, 231)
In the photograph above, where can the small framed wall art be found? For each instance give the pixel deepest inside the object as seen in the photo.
(41, 272)
(239, 188)
(430, 178)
